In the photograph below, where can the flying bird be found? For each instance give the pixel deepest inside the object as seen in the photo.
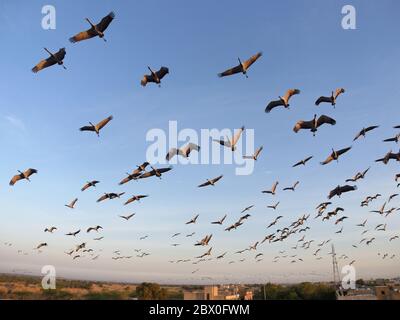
(154, 76)
(331, 99)
(339, 190)
(72, 204)
(242, 67)
(313, 124)
(231, 143)
(282, 101)
(135, 174)
(41, 245)
(210, 182)
(128, 216)
(389, 156)
(204, 241)
(95, 30)
(363, 132)
(247, 208)
(221, 256)
(193, 220)
(208, 253)
(90, 184)
(292, 188)
(74, 233)
(341, 219)
(381, 211)
(184, 151)
(335, 155)
(96, 128)
(362, 224)
(135, 198)
(255, 155)
(55, 58)
(358, 176)
(273, 188)
(96, 228)
(51, 230)
(23, 175)
(154, 172)
(302, 162)
(396, 139)
(392, 196)
(221, 221)
(245, 217)
(273, 206)
(110, 196)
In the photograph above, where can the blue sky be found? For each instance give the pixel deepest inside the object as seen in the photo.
(304, 47)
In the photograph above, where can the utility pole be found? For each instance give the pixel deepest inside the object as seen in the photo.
(336, 276)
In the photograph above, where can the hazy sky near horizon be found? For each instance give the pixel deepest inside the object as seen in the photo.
(303, 45)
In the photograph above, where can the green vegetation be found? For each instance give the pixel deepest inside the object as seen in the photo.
(150, 291)
(302, 291)
(104, 295)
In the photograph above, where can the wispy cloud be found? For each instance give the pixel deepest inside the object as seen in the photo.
(15, 122)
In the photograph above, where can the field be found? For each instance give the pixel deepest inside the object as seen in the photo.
(23, 287)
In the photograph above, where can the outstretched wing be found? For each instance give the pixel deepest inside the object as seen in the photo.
(147, 174)
(147, 78)
(204, 184)
(102, 123)
(348, 188)
(15, 178)
(333, 192)
(371, 128)
(130, 200)
(44, 64)
(162, 72)
(237, 136)
(188, 149)
(341, 151)
(105, 22)
(217, 179)
(103, 197)
(231, 71)
(273, 104)
(327, 160)
(323, 99)
(84, 35)
(87, 128)
(52, 60)
(87, 185)
(162, 170)
(338, 92)
(126, 180)
(390, 139)
(29, 172)
(251, 60)
(290, 93)
(325, 119)
(302, 125)
(171, 153)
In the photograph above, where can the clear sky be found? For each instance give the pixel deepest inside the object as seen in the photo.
(304, 47)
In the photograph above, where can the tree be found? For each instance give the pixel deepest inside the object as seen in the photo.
(150, 291)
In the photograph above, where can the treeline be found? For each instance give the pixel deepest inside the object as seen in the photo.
(302, 291)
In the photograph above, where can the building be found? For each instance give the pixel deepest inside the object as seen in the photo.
(382, 292)
(388, 292)
(217, 293)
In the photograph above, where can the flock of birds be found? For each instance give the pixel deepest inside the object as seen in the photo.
(325, 211)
